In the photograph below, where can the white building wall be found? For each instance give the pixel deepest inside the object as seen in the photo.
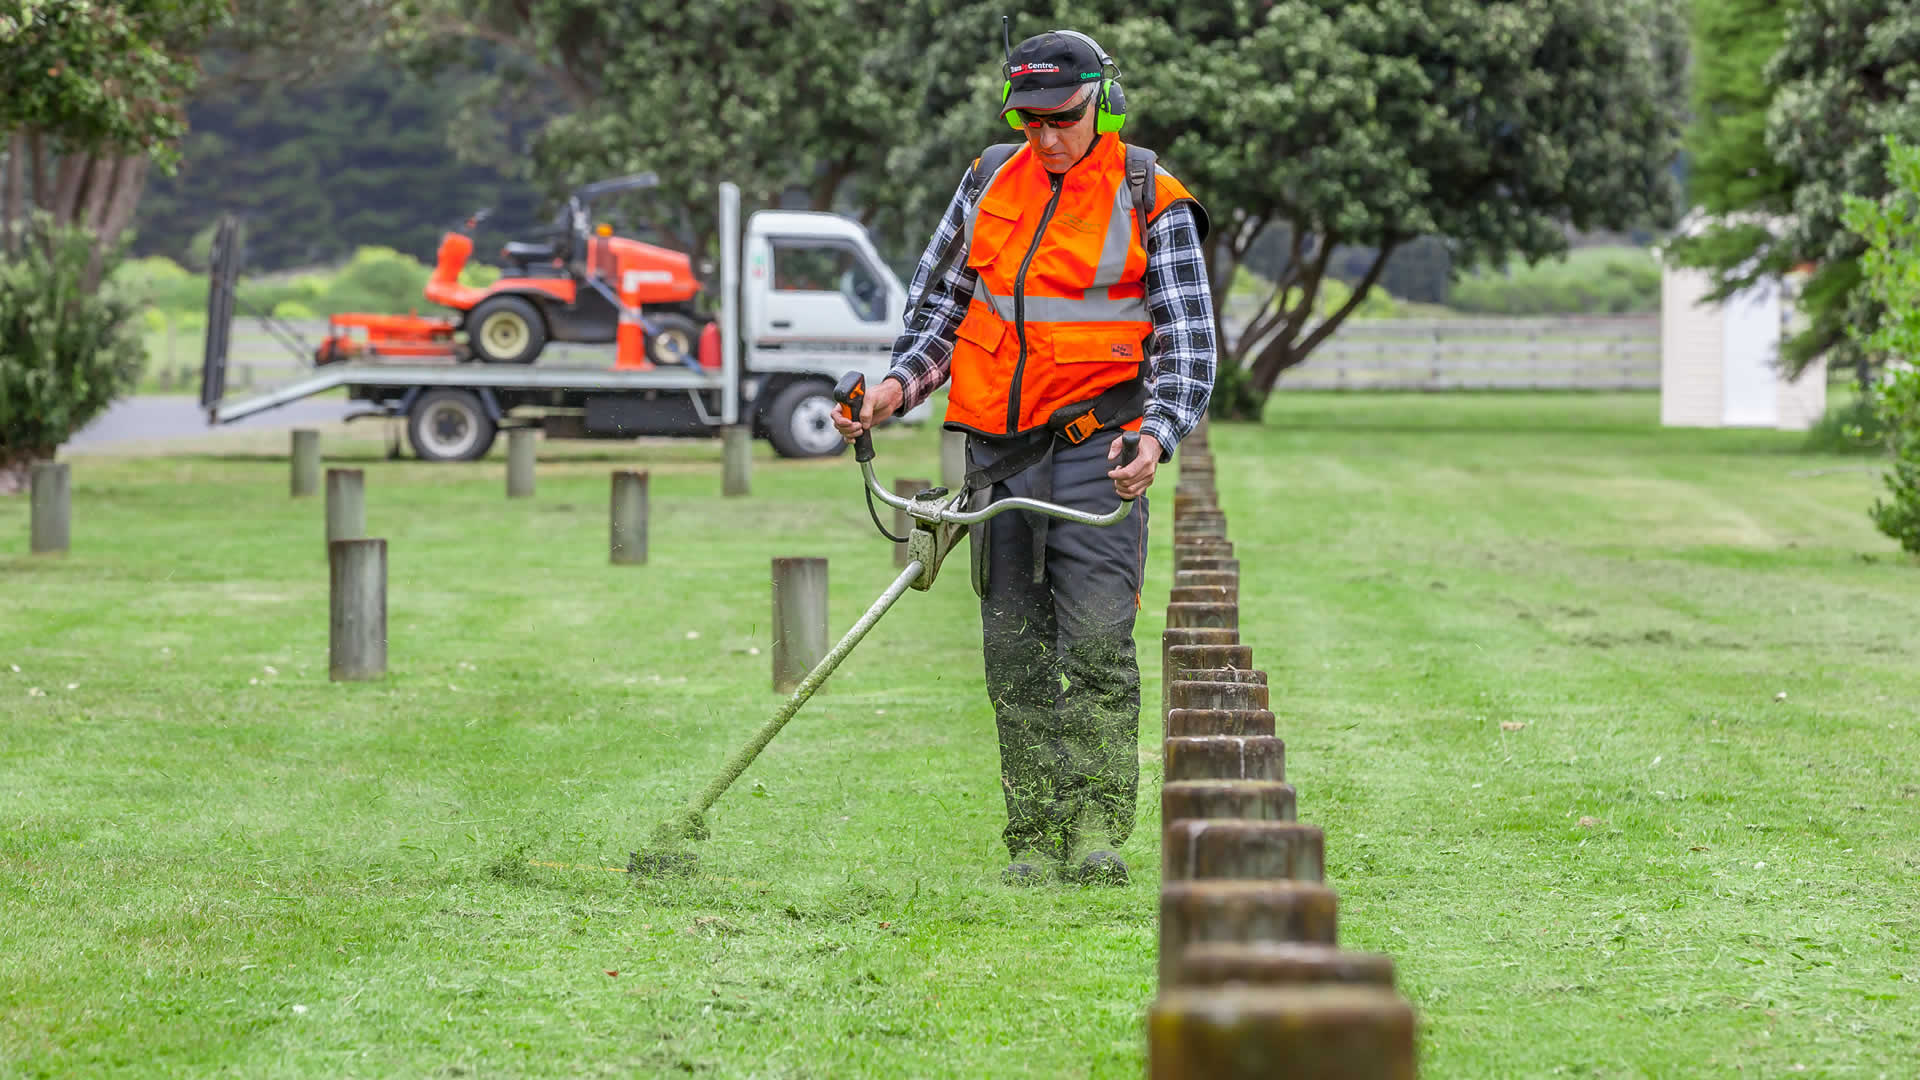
(1691, 339)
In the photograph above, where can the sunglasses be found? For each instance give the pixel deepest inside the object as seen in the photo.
(1060, 118)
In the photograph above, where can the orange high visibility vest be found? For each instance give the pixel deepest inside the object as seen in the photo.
(1058, 314)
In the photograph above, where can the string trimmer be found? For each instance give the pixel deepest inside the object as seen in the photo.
(940, 520)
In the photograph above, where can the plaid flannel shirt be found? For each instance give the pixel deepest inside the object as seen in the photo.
(1179, 303)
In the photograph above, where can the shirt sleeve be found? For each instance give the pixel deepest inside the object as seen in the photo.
(1180, 305)
(923, 353)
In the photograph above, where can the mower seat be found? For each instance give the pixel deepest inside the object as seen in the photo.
(524, 253)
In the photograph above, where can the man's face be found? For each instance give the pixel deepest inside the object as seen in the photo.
(1059, 148)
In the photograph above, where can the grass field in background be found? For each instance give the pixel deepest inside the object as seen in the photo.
(216, 862)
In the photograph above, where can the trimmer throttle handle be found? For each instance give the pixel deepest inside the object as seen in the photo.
(851, 393)
(1129, 447)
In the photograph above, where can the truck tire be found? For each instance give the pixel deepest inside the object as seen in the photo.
(450, 425)
(677, 344)
(800, 421)
(506, 330)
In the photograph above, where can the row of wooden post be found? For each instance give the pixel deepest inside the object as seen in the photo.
(1252, 981)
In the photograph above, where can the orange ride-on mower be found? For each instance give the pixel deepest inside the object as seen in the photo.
(587, 286)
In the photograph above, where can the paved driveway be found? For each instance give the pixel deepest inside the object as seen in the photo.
(161, 417)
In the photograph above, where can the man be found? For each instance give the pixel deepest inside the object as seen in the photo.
(1060, 326)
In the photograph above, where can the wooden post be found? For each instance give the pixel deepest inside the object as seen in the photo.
(1280, 963)
(1190, 578)
(1214, 848)
(520, 462)
(1246, 1032)
(627, 517)
(1218, 722)
(1207, 562)
(736, 448)
(1244, 800)
(1196, 911)
(906, 488)
(953, 459)
(357, 626)
(1188, 694)
(1201, 594)
(1182, 659)
(306, 462)
(346, 505)
(799, 620)
(1225, 757)
(1209, 616)
(49, 531)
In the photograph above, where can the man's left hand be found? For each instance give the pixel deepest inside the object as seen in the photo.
(1132, 481)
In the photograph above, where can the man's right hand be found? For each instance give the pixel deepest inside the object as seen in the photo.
(881, 402)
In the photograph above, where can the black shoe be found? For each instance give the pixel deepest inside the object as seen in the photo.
(1022, 874)
(1101, 868)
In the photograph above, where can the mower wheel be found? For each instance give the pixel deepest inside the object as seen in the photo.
(677, 343)
(450, 425)
(800, 421)
(506, 330)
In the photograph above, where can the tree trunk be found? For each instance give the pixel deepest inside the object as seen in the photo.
(117, 203)
(15, 207)
(825, 188)
(1288, 349)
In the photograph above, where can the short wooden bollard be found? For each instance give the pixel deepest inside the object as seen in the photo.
(1186, 722)
(1210, 616)
(1256, 1032)
(1243, 800)
(1185, 658)
(1281, 963)
(1218, 545)
(1200, 594)
(1207, 562)
(736, 450)
(906, 488)
(953, 459)
(627, 518)
(49, 532)
(306, 463)
(357, 626)
(799, 620)
(1225, 757)
(520, 462)
(1197, 911)
(1187, 579)
(1236, 689)
(346, 505)
(1199, 528)
(1209, 849)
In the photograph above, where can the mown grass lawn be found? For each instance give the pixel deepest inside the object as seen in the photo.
(215, 862)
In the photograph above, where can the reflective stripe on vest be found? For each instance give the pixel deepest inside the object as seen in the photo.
(1083, 306)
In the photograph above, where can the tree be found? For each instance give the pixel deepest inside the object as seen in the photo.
(1729, 167)
(90, 94)
(1889, 230)
(1847, 75)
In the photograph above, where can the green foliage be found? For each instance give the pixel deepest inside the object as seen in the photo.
(1890, 275)
(66, 351)
(365, 156)
(97, 76)
(1730, 167)
(1847, 73)
(1849, 427)
(1588, 281)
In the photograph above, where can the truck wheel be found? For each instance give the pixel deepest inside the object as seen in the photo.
(678, 341)
(506, 330)
(449, 425)
(800, 421)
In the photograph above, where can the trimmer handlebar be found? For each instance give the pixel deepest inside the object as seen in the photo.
(944, 509)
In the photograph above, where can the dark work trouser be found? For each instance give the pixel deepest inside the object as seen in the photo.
(1060, 663)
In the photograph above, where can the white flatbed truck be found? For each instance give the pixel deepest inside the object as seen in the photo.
(805, 298)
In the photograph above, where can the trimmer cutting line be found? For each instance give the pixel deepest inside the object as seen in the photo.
(940, 521)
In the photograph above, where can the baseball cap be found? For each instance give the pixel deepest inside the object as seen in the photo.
(1047, 70)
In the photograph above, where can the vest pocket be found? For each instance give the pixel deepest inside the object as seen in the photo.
(993, 226)
(981, 328)
(1119, 344)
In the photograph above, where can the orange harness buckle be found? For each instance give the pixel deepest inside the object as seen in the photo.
(1081, 429)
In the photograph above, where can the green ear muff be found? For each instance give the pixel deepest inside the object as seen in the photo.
(1013, 121)
(1113, 107)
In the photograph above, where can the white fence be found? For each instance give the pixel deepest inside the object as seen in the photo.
(1570, 353)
